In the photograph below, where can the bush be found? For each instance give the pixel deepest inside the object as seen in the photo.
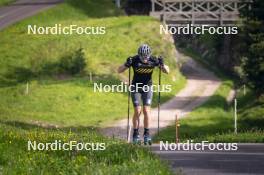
(73, 64)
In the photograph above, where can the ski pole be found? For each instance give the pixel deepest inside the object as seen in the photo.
(159, 100)
(128, 104)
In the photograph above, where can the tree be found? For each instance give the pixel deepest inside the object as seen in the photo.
(253, 55)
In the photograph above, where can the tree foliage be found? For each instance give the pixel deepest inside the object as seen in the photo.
(253, 53)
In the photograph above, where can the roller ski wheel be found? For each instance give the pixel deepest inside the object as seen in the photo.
(136, 140)
(147, 140)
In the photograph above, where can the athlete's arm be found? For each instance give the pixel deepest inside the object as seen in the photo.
(164, 68)
(121, 68)
(125, 66)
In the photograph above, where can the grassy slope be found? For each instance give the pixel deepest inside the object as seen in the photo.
(117, 158)
(5, 2)
(213, 121)
(250, 110)
(71, 101)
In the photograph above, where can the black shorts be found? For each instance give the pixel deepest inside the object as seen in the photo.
(141, 96)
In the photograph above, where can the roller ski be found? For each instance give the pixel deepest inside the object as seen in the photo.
(136, 139)
(147, 140)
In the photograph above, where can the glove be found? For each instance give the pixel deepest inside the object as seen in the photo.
(128, 62)
(161, 61)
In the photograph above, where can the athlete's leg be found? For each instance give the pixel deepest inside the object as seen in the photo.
(146, 112)
(146, 135)
(136, 136)
(137, 112)
(147, 99)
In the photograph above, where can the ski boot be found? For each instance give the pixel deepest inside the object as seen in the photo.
(147, 139)
(136, 139)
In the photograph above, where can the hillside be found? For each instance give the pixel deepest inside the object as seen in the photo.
(55, 94)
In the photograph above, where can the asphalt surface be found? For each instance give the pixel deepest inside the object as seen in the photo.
(247, 159)
(22, 9)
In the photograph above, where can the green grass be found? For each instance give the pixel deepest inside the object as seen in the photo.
(214, 120)
(70, 100)
(5, 2)
(250, 110)
(117, 158)
(208, 64)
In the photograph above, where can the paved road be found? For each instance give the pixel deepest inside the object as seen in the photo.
(248, 159)
(22, 9)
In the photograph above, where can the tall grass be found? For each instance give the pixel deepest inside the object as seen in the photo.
(117, 158)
